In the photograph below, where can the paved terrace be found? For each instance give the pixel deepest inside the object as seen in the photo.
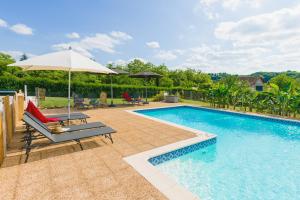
(63, 171)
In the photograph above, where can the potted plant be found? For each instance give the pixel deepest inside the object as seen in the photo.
(172, 98)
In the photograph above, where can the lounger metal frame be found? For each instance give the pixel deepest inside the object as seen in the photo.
(34, 125)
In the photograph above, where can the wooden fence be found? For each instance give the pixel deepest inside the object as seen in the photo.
(1, 140)
(11, 115)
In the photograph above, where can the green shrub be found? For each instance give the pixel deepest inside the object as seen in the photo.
(59, 88)
(159, 96)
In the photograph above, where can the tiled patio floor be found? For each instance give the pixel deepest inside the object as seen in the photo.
(98, 172)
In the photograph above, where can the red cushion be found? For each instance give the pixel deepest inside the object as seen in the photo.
(126, 96)
(32, 109)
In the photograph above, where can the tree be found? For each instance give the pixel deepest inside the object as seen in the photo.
(23, 57)
(5, 60)
(284, 82)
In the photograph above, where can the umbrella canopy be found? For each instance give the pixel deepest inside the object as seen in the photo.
(67, 60)
(145, 75)
(120, 71)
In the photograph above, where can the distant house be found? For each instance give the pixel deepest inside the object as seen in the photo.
(257, 83)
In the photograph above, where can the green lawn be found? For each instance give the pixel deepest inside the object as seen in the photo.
(55, 102)
(239, 109)
(199, 103)
(59, 102)
(207, 104)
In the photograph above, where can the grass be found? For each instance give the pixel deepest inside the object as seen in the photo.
(238, 109)
(199, 103)
(55, 102)
(60, 102)
(207, 104)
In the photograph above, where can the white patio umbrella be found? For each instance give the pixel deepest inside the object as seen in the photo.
(67, 60)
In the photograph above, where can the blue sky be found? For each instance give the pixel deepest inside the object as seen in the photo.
(235, 36)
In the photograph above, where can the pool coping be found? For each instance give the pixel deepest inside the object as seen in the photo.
(165, 184)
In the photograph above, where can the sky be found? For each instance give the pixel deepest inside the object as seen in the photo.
(233, 36)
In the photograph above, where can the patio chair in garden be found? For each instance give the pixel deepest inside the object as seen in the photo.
(79, 102)
(94, 102)
(103, 98)
(127, 98)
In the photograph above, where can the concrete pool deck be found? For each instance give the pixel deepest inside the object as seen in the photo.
(63, 171)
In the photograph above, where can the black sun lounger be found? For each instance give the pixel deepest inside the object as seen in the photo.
(73, 116)
(90, 125)
(76, 135)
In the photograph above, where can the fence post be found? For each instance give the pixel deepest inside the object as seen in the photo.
(1, 141)
(20, 101)
(8, 119)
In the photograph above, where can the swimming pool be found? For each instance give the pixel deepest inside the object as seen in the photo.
(253, 158)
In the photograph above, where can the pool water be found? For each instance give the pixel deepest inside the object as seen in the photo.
(253, 158)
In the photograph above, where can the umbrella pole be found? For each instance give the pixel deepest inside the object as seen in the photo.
(111, 93)
(69, 96)
(146, 93)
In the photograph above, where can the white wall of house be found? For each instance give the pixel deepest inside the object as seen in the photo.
(259, 83)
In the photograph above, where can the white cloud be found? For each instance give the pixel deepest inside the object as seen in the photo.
(17, 54)
(122, 62)
(138, 58)
(266, 28)
(119, 62)
(166, 55)
(208, 2)
(75, 46)
(214, 58)
(153, 45)
(211, 8)
(22, 29)
(73, 35)
(3, 23)
(265, 42)
(120, 35)
(17, 28)
(99, 41)
(231, 4)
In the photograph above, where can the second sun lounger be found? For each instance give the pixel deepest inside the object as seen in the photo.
(38, 126)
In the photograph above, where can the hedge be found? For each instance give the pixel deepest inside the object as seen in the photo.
(60, 88)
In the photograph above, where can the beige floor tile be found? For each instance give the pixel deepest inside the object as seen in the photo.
(64, 171)
(103, 183)
(117, 193)
(34, 191)
(145, 147)
(77, 192)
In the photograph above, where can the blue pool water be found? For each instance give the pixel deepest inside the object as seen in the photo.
(253, 158)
